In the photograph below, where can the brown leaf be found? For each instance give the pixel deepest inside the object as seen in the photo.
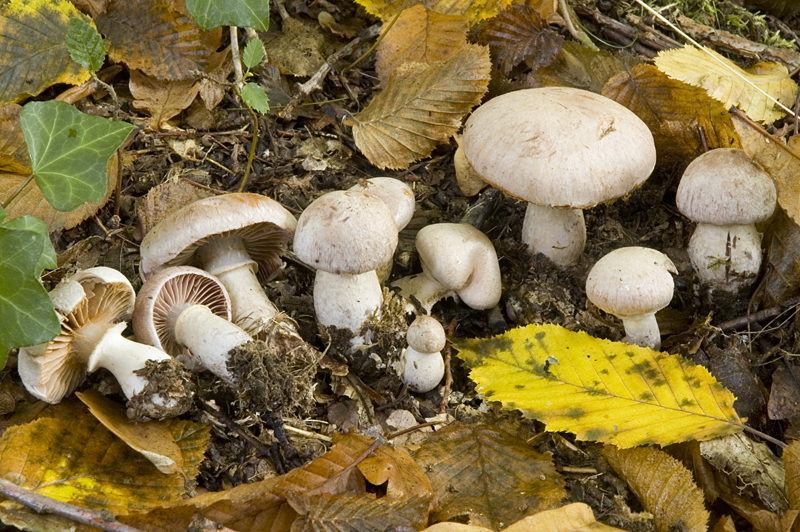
(784, 395)
(499, 478)
(663, 486)
(345, 512)
(782, 258)
(791, 463)
(576, 517)
(156, 38)
(404, 477)
(762, 520)
(300, 50)
(212, 87)
(13, 151)
(421, 107)
(580, 67)
(674, 111)
(724, 524)
(521, 34)
(162, 99)
(420, 36)
(164, 199)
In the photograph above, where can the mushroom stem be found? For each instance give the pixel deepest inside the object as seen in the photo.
(422, 371)
(346, 301)
(726, 257)
(424, 288)
(559, 234)
(642, 330)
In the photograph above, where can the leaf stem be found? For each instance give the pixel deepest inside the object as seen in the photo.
(16, 193)
(253, 141)
(767, 437)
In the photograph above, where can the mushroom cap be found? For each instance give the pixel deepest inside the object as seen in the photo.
(346, 232)
(165, 295)
(397, 195)
(631, 281)
(726, 187)
(264, 224)
(426, 335)
(559, 147)
(98, 298)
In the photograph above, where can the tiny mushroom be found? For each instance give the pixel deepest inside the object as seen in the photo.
(346, 235)
(423, 366)
(561, 150)
(726, 193)
(633, 283)
(457, 259)
(93, 305)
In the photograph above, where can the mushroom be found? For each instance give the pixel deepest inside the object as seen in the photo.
(93, 305)
(561, 150)
(469, 182)
(457, 259)
(633, 284)
(346, 235)
(423, 366)
(726, 193)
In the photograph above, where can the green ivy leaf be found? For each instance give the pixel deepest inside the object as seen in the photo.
(85, 45)
(69, 151)
(253, 53)
(246, 13)
(256, 98)
(48, 260)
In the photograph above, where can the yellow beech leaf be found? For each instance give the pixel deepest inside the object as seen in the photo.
(420, 36)
(791, 462)
(663, 485)
(697, 68)
(474, 10)
(600, 390)
(33, 48)
(421, 106)
(575, 517)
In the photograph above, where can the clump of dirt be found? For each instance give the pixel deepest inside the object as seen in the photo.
(169, 391)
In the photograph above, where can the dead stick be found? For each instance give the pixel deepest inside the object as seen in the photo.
(761, 315)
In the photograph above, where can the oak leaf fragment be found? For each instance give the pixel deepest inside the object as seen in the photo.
(421, 107)
(162, 99)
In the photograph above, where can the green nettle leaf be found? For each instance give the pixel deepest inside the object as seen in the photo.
(69, 151)
(85, 45)
(246, 13)
(256, 98)
(253, 53)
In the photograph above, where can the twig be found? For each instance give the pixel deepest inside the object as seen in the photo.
(236, 58)
(262, 448)
(42, 504)
(761, 315)
(448, 373)
(307, 434)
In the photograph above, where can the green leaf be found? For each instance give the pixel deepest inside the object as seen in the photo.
(253, 53)
(85, 45)
(48, 259)
(246, 13)
(256, 98)
(69, 151)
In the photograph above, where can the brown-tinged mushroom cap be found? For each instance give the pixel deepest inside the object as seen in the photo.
(726, 187)
(263, 223)
(559, 147)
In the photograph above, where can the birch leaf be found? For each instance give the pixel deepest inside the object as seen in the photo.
(474, 10)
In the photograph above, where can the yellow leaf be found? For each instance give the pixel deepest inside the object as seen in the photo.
(697, 68)
(421, 107)
(663, 485)
(420, 36)
(575, 517)
(474, 10)
(600, 390)
(33, 49)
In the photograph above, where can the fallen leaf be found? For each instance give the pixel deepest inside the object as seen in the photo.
(663, 485)
(474, 10)
(722, 79)
(300, 50)
(421, 107)
(162, 99)
(724, 524)
(784, 395)
(791, 463)
(164, 199)
(13, 152)
(404, 478)
(345, 511)
(575, 517)
(245, 13)
(213, 86)
(782, 259)
(580, 67)
(499, 477)
(600, 390)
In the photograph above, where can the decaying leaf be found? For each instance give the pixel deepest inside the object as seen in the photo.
(791, 463)
(420, 36)
(13, 152)
(300, 50)
(345, 511)
(421, 107)
(674, 111)
(156, 38)
(212, 87)
(162, 99)
(663, 485)
(600, 390)
(724, 524)
(575, 517)
(781, 278)
(500, 478)
(474, 10)
(580, 67)
(521, 34)
(716, 75)
(404, 478)
(784, 395)
(162, 200)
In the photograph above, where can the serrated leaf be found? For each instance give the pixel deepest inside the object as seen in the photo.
(345, 512)
(253, 53)
(421, 107)
(69, 151)
(85, 45)
(500, 478)
(600, 390)
(717, 77)
(162, 99)
(33, 51)
(245, 13)
(474, 10)
(420, 36)
(256, 98)
(663, 485)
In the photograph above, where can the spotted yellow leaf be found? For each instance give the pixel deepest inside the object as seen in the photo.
(474, 10)
(600, 390)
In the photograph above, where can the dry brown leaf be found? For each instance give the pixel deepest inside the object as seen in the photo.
(499, 478)
(212, 86)
(780, 280)
(580, 67)
(162, 99)
(762, 520)
(153, 36)
(163, 199)
(300, 50)
(346, 512)
(404, 477)
(420, 36)
(474, 10)
(576, 517)
(724, 524)
(674, 111)
(13, 151)
(521, 34)
(663, 485)
(421, 107)
(449, 526)
(791, 462)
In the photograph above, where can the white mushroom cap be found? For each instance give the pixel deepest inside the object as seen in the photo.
(559, 147)
(423, 366)
(726, 187)
(426, 335)
(346, 232)
(397, 195)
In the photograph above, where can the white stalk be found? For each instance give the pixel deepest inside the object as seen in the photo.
(346, 301)
(726, 257)
(559, 234)
(642, 330)
(424, 288)
(422, 371)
